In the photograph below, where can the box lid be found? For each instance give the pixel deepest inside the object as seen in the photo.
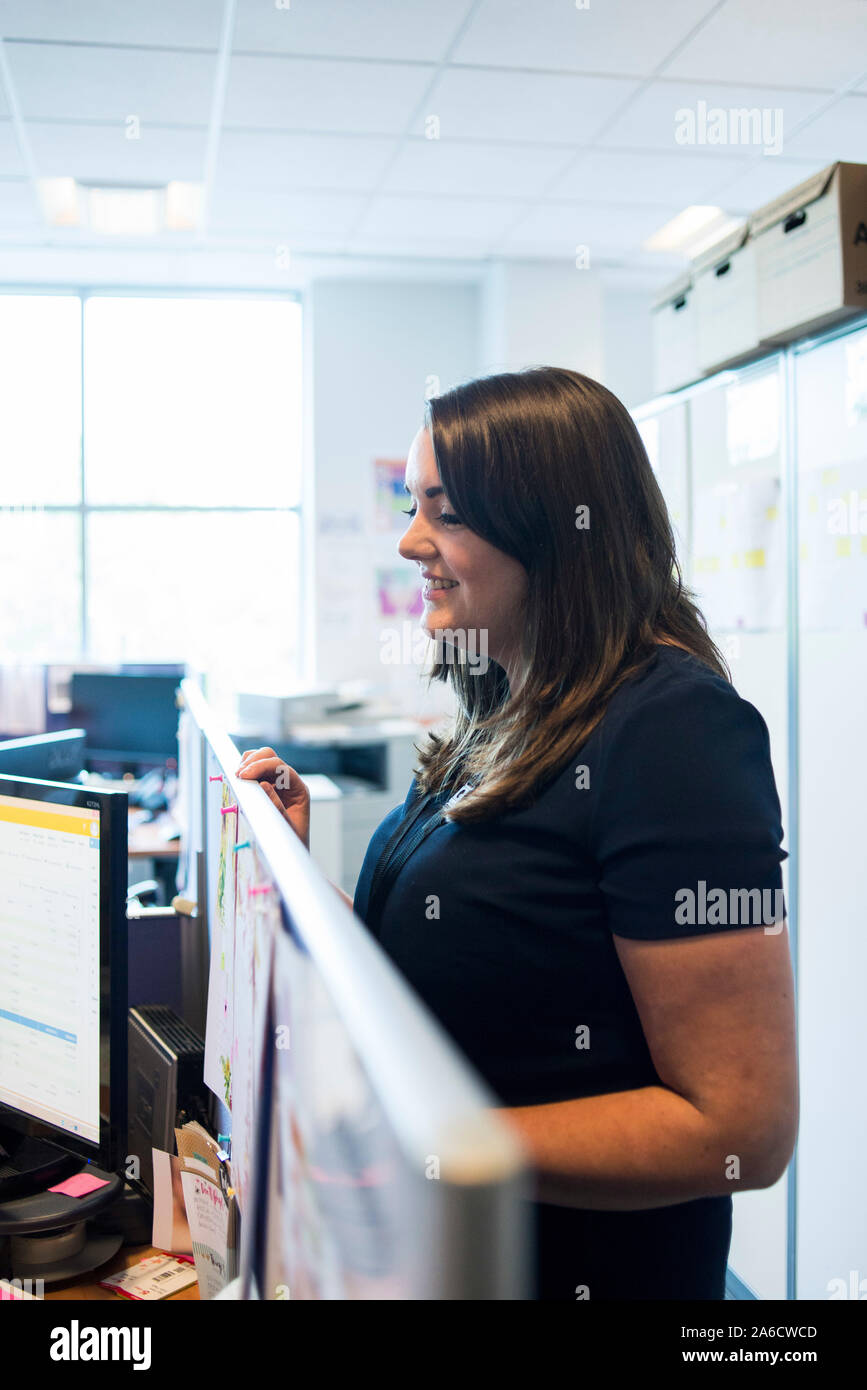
(676, 289)
(798, 197)
(722, 249)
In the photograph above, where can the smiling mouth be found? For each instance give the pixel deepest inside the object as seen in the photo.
(437, 586)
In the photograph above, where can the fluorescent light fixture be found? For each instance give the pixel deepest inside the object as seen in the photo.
(59, 199)
(692, 231)
(183, 206)
(124, 211)
(118, 210)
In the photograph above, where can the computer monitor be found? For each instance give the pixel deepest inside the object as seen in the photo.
(130, 720)
(58, 757)
(63, 982)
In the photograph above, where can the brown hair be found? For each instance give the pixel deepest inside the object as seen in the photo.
(518, 454)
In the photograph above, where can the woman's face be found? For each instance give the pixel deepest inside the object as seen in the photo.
(484, 588)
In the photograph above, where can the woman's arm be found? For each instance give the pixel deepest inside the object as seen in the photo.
(718, 1015)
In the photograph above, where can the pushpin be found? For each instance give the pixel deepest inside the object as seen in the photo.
(261, 888)
(243, 844)
(227, 810)
(218, 778)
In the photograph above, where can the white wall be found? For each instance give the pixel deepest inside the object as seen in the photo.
(627, 345)
(372, 350)
(537, 313)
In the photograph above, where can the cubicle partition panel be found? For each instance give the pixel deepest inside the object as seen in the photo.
(830, 458)
(366, 1157)
(774, 544)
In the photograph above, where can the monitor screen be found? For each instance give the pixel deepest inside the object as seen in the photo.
(62, 983)
(127, 718)
(58, 756)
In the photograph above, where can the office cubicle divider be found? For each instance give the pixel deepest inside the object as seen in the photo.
(775, 452)
(367, 1160)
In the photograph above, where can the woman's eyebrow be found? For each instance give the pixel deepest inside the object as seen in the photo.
(429, 491)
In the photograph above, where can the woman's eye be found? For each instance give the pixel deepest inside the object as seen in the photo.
(447, 518)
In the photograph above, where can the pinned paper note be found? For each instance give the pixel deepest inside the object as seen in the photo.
(79, 1185)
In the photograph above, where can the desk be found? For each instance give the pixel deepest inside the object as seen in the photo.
(147, 839)
(87, 1288)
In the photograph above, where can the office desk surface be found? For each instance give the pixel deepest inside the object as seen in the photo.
(87, 1288)
(146, 838)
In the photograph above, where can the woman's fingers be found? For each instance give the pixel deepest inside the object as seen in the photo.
(263, 764)
(270, 771)
(253, 755)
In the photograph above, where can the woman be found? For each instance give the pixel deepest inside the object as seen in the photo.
(584, 917)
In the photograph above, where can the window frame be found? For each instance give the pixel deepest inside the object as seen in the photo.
(82, 509)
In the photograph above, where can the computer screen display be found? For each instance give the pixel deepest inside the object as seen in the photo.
(127, 718)
(58, 756)
(62, 982)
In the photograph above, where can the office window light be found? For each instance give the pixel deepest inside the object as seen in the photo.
(162, 521)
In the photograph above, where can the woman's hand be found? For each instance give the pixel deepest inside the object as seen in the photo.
(284, 786)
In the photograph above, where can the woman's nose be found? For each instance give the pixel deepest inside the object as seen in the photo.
(416, 543)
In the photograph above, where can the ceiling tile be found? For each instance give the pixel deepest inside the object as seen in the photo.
(423, 250)
(651, 121)
(10, 157)
(631, 37)
(192, 24)
(487, 105)
(274, 159)
(285, 216)
(18, 205)
(761, 183)
(613, 177)
(306, 94)
(438, 219)
(98, 152)
(784, 43)
(838, 133)
(604, 230)
(345, 28)
(466, 167)
(110, 84)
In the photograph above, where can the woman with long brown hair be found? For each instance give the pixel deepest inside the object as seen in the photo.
(584, 881)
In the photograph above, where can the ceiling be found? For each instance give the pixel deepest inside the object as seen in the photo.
(309, 120)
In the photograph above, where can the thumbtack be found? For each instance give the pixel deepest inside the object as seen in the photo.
(261, 888)
(218, 778)
(244, 844)
(227, 810)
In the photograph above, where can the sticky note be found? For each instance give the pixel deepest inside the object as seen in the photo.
(79, 1185)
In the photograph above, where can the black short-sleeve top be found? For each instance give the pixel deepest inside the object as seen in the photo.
(662, 819)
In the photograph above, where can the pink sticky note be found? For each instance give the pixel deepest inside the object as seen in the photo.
(79, 1185)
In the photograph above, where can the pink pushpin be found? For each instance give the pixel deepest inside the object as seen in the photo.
(218, 778)
(261, 888)
(227, 810)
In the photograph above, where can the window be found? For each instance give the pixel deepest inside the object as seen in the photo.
(150, 452)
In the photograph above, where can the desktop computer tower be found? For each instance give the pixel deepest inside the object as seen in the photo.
(166, 1086)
